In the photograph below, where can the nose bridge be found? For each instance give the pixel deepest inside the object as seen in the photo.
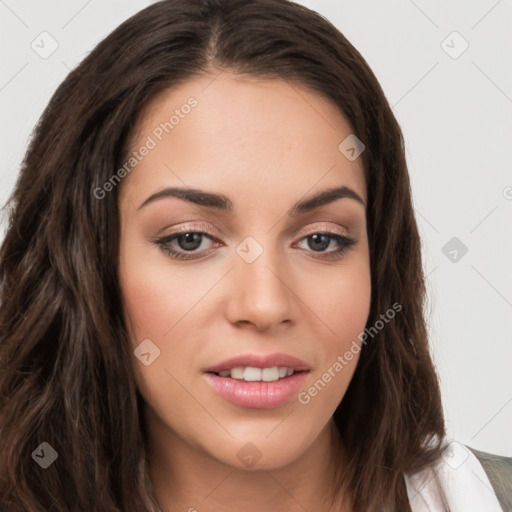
(260, 291)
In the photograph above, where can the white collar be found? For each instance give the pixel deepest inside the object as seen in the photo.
(461, 480)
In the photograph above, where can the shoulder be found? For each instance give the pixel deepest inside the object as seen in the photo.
(463, 479)
(498, 469)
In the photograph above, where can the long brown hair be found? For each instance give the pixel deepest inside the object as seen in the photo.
(66, 377)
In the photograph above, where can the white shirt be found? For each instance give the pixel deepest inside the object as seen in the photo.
(460, 478)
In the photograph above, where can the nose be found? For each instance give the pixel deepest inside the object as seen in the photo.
(260, 293)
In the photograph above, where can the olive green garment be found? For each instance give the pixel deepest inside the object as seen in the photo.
(499, 471)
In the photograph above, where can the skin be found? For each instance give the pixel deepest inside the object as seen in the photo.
(265, 145)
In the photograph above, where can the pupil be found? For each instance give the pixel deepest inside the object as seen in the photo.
(191, 241)
(319, 242)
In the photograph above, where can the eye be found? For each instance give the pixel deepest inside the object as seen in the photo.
(186, 244)
(320, 241)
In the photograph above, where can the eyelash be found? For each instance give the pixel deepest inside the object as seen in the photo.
(345, 244)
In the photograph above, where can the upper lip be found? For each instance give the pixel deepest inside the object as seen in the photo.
(260, 361)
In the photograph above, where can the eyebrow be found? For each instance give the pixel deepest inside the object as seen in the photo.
(221, 202)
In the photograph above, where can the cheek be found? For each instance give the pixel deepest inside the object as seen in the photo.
(158, 305)
(343, 304)
(153, 297)
(147, 302)
(152, 307)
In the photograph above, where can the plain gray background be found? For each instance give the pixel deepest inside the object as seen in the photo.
(454, 105)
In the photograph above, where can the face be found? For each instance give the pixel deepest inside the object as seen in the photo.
(257, 272)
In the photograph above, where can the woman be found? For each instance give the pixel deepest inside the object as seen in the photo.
(212, 295)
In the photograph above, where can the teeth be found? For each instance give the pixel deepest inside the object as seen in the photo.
(237, 373)
(269, 374)
(251, 374)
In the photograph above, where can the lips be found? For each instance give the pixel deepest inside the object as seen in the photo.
(260, 361)
(258, 394)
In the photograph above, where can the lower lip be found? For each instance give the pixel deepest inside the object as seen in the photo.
(257, 395)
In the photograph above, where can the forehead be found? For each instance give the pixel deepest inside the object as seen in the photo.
(268, 136)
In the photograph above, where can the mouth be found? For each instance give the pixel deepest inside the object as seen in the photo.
(258, 382)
